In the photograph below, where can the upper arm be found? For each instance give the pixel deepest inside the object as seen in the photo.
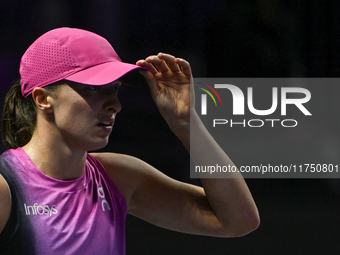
(158, 199)
(5, 203)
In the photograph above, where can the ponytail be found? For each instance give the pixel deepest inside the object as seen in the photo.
(18, 119)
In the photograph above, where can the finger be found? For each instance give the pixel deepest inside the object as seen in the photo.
(149, 66)
(186, 69)
(170, 61)
(159, 63)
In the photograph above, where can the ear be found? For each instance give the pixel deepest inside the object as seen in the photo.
(42, 99)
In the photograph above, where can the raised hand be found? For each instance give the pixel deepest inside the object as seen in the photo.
(170, 79)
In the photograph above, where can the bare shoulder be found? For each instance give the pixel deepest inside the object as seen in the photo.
(121, 164)
(126, 171)
(116, 161)
(5, 203)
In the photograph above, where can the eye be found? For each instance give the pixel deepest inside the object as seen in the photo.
(95, 88)
(116, 88)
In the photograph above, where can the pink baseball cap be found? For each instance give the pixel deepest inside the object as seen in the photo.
(72, 54)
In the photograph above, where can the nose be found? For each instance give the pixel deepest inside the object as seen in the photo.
(111, 101)
(112, 104)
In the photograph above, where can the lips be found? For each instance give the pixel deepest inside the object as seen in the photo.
(105, 123)
(108, 122)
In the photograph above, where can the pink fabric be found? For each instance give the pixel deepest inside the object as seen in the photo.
(82, 216)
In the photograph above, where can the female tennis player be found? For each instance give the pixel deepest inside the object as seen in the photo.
(56, 198)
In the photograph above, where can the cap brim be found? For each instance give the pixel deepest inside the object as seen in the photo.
(134, 79)
(107, 73)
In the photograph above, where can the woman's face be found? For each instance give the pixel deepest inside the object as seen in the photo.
(84, 114)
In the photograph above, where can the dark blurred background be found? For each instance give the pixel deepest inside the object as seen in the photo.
(244, 38)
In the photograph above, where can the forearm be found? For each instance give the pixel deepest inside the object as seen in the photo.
(232, 206)
(229, 197)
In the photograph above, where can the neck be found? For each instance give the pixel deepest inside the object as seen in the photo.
(54, 160)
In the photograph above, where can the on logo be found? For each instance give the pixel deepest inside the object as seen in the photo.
(238, 100)
(104, 202)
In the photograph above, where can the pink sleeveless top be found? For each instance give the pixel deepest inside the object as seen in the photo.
(82, 216)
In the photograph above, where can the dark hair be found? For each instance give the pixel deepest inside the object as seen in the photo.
(19, 116)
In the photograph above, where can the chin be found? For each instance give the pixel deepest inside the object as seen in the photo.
(97, 146)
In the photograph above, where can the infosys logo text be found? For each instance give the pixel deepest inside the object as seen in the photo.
(37, 209)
